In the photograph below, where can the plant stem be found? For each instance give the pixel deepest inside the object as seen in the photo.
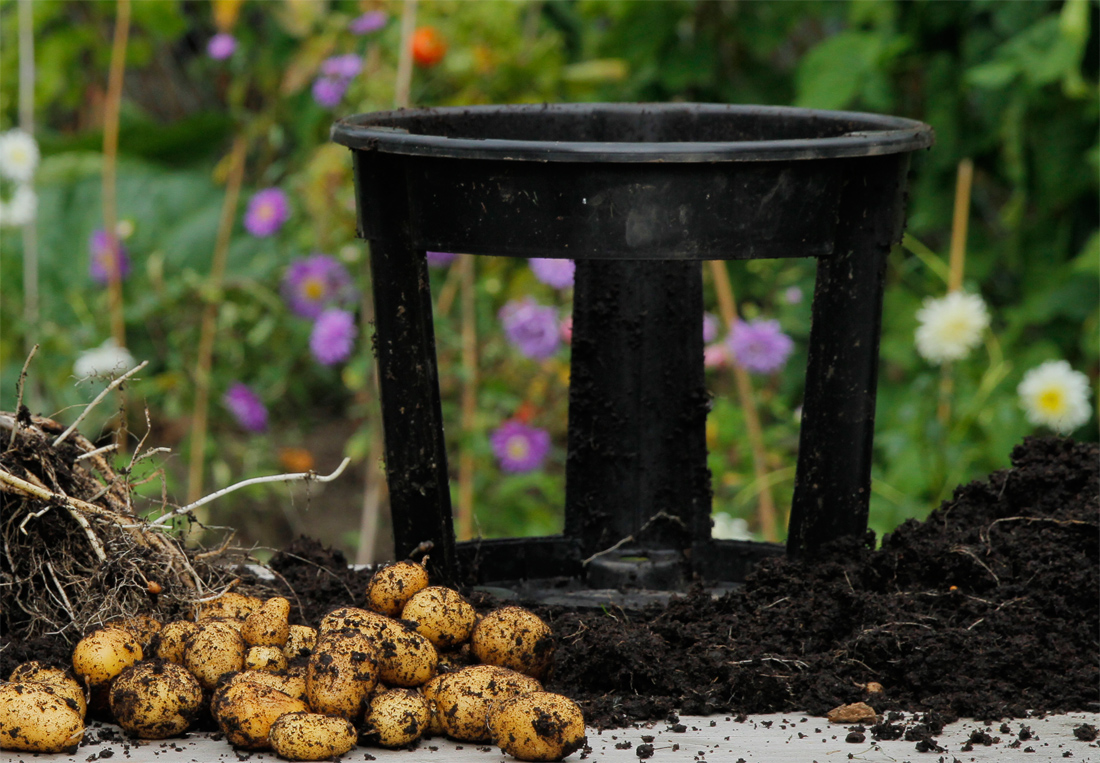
(26, 122)
(110, 168)
(956, 264)
(765, 511)
(403, 85)
(465, 509)
(209, 319)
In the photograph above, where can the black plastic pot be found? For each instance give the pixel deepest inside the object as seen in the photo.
(638, 195)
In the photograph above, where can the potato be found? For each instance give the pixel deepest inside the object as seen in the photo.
(35, 718)
(245, 711)
(441, 615)
(430, 692)
(300, 642)
(463, 699)
(212, 651)
(269, 658)
(290, 683)
(513, 637)
(156, 699)
(233, 622)
(390, 587)
(141, 627)
(268, 626)
(60, 680)
(311, 736)
(103, 654)
(405, 657)
(230, 604)
(169, 643)
(537, 726)
(397, 717)
(341, 673)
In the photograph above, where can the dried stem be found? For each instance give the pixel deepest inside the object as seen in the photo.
(110, 167)
(766, 512)
(465, 508)
(19, 393)
(403, 85)
(88, 408)
(956, 264)
(209, 319)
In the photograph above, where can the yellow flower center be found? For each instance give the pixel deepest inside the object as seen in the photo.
(518, 448)
(313, 288)
(1052, 401)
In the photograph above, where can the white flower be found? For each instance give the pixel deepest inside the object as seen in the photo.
(728, 528)
(1056, 396)
(950, 327)
(107, 360)
(18, 156)
(21, 209)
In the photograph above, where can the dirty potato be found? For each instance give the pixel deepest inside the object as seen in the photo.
(269, 658)
(311, 736)
(35, 718)
(430, 692)
(268, 626)
(516, 638)
(397, 717)
(463, 699)
(60, 680)
(392, 586)
(156, 699)
(169, 642)
(103, 654)
(537, 726)
(230, 604)
(341, 674)
(441, 615)
(300, 641)
(290, 683)
(141, 627)
(245, 711)
(215, 649)
(405, 658)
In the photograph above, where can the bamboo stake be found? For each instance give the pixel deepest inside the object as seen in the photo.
(403, 85)
(209, 319)
(465, 509)
(956, 264)
(765, 512)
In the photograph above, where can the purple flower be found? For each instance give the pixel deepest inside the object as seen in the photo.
(759, 346)
(531, 327)
(267, 211)
(440, 259)
(246, 407)
(315, 283)
(329, 91)
(342, 67)
(556, 273)
(519, 447)
(221, 46)
(99, 245)
(371, 21)
(710, 327)
(333, 336)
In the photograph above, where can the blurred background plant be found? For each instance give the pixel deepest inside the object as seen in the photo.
(188, 209)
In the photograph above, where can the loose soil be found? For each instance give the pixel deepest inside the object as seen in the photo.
(989, 608)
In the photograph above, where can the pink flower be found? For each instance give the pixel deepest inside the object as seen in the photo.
(221, 46)
(333, 336)
(519, 447)
(371, 21)
(267, 211)
(716, 355)
(552, 272)
(759, 346)
(246, 407)
(567, 330)
(792, 295)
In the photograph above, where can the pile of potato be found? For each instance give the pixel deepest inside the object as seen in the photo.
(419, 661)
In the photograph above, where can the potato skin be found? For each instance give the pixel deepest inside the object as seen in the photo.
(405, 658)
(34, 718)
(397, 717)
(516, 638)
(269, 658)
(291, 684)
(341, 674)
(59, 679)
(215, 649)
(168, 644)
(441, 615)
(268, 626)
(141, 627)
(245, 711)
(539, 726)
(156, 699)
(463, 699)
(230, 604)
(103, 654)
(301, 641)
(311, 736)
(390, 587)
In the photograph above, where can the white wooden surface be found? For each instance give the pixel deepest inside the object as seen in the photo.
(784, 738)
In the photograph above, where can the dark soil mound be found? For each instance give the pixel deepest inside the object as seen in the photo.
(990, 607)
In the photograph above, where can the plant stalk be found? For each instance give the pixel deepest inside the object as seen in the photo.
(956, 265)
(403, 85)
(26, 123)
(465, 509)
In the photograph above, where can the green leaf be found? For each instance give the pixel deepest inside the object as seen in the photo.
(832, 75)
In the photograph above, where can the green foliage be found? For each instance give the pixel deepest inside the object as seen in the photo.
(1012, 86)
